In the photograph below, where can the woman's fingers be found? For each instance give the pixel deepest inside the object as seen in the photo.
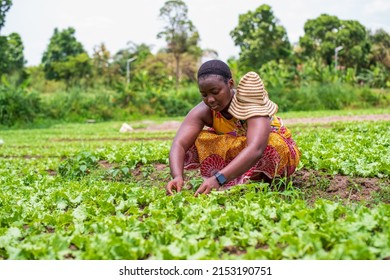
(174, 185)
(169, 189)
(204, 189)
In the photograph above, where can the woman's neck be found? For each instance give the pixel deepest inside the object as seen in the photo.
(225, 112)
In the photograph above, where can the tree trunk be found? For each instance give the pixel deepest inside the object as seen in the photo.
(177, 58)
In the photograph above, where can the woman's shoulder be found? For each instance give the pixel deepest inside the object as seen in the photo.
(201, 112)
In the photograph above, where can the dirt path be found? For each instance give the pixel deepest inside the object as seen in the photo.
(174, 125)
(381, 117)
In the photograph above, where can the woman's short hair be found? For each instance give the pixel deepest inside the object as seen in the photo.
(215, 67)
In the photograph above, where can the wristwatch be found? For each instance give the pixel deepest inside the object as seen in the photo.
(220, 178)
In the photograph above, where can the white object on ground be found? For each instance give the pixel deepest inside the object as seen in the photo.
(126, 128)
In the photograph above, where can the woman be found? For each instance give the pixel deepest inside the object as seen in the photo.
(244, 139)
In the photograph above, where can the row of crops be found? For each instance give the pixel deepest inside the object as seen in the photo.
(85, 191)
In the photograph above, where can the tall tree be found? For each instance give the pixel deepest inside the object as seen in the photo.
(260, 37)
(62, 48)
(380, 51)
(5, 5)
(325, 33)
(11, 53)
(179, 32)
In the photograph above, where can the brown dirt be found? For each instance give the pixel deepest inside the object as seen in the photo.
(382, 117)
(319, 184)
(174, 125)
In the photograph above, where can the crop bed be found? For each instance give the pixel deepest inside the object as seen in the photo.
(86, 191)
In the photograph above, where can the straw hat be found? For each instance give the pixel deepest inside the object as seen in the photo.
(251, 99)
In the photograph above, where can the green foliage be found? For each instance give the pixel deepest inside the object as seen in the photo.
(278, 74)
(63, 47)
(77, 166)
(375, 77)
(380, 50)
(76, 104)
(139, 52)
(73, 69)
(11, 54)
(260, 38)
(17, 104)
(313, 86)
(356, 149)
(325, 33)
(104, 71)
(5, 5)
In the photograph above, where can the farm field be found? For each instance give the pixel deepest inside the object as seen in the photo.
(86, 191)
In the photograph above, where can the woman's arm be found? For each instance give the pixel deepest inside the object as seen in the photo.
(258, 132)
(188, 131)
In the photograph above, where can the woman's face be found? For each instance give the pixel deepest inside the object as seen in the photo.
(216, 94)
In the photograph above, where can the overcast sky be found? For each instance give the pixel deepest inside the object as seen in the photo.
(116, 22)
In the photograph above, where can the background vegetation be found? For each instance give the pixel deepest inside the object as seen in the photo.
(71, 85)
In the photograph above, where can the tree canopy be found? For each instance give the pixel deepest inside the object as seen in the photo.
(380, 50)
(11, 53)
(261, 38)
(5, 5)
(62, 52)
(325, 33)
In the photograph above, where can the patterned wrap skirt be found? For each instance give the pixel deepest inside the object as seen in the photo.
(212, 152)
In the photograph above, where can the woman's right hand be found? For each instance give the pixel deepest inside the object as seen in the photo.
(175, 184)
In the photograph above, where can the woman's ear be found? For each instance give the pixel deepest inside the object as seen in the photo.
(231, 83)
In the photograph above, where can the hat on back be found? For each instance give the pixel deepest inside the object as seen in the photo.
(251, 99)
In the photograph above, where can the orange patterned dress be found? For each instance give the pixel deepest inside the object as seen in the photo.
(217, 146)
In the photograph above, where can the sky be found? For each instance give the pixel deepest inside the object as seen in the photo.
(118, 22)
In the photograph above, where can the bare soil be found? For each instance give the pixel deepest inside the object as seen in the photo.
(174, 125)
(319, 184)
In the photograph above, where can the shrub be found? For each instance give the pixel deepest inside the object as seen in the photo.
(17, 104)
(78, 104)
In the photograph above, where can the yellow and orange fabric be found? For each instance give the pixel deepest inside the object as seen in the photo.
(217, 146)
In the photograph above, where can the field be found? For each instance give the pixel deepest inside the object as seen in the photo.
(86, 191)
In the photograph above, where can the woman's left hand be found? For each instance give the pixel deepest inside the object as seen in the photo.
(207, 186)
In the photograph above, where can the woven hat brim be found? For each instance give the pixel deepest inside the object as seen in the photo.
(245, 110)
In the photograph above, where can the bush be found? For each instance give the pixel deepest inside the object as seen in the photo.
(17, 105)
(327, 96)
(77, 104)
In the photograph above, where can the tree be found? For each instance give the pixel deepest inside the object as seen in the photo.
(5, 5)
(260, 38)
(62, 48)
(380, 51)
(103, 69)
(325, 33)
(11, 54)
(139, 51)
(179, 33)
(73, 69)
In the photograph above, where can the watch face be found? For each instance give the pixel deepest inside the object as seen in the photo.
(220, 178)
